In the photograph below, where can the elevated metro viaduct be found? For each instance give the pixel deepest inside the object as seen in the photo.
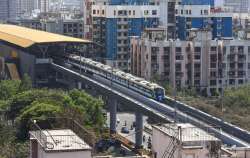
(34, 52)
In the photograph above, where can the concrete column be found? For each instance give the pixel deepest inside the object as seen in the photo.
(113, 112)
(79, 85)
(139, 130)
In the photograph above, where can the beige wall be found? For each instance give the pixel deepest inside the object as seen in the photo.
(213, 74)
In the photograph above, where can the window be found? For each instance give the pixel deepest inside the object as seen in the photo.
(201, 12)
(205, 12)
(154, 12)
(102, 12)
(166, 49)
(120, 12)
(145, 12)
(94, 11)
(240, 81)
(197, 49)
(197, 57)
(114, 12)
(212, 82)
(133, 12)
(190, 12)
(179, 57)
(181, 12)
(178, 49)
(213, 48)
(129, 12)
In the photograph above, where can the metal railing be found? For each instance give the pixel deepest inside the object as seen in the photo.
(73, 133)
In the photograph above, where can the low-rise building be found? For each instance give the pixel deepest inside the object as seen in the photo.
(201, 63)
(183, 141)
(58, 143)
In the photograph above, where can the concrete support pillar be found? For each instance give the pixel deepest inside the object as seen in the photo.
(113, 112)
(79, 85)
(139, 130)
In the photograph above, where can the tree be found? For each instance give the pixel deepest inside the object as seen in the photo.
(38, 111)
(8, 88)
(92, 107)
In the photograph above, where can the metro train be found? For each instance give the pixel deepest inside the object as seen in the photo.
(139, 85)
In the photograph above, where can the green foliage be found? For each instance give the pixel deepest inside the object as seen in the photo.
(168, 88)
(23, 103)
(39, 111)
(8, 88)
(92, 107)
(9, 146)
(239, 97)
(191, 92)
(36, 111)
(54, 97)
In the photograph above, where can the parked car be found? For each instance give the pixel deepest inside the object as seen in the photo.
(125, 130)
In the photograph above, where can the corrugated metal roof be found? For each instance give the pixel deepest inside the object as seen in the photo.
(25, 37)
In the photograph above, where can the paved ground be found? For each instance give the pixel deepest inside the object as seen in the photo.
(126, 120)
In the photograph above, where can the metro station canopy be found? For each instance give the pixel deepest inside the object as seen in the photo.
(25, 37)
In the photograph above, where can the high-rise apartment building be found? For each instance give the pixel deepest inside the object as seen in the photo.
(202, 63)
(43, 5)
(26, 6)
(167, 16)
(237, 5)
(113, 25)
(8, 9)
(196, 14)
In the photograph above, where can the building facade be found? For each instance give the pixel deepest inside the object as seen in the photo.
(68, 27)
(113, 25)
(184, 141)
(167, 16)
(237, 5)
(8, 9)
(202, 63)
(190, 17)
(241, 26)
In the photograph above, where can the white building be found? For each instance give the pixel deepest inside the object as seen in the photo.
(58, 144)
(184, 141)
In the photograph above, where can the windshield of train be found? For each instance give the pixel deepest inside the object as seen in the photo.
(159, 92)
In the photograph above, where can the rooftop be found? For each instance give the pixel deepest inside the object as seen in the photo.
(189, 133)
(26, 37)
(59, 140)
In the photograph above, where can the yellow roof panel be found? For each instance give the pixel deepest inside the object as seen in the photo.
(26, 37)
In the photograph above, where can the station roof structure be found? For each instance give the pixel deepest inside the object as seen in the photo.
(26, 37)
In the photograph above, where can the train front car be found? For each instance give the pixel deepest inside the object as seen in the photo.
(159, 94)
